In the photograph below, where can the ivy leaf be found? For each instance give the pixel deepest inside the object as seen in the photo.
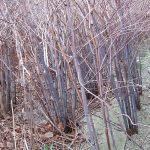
(45, 147)
(51, 147)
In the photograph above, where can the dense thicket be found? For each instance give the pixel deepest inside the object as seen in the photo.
(70, 56)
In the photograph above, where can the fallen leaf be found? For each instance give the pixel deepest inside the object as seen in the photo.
(1, 145)
(9, 145)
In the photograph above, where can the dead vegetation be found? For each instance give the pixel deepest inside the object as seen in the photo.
(59, 61)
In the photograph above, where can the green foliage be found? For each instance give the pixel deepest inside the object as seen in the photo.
(46, 147)
(51, 147)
